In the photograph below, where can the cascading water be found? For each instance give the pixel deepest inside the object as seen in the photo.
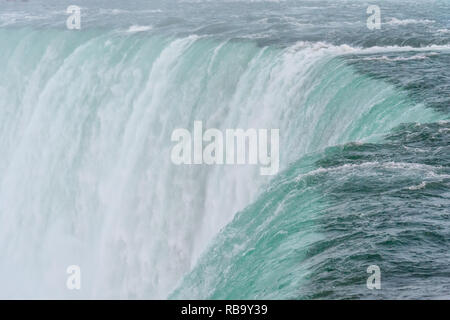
(85, 170)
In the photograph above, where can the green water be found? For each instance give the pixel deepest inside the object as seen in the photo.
(85, 171)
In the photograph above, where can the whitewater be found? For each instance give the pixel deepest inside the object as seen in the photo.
(86, 176)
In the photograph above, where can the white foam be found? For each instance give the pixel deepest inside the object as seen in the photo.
(428, 169)
(414, 57)
(418, 187)
(347, 49)
(404, 22)
(137, 28)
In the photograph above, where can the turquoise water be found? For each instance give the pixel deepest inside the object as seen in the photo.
(86, 176)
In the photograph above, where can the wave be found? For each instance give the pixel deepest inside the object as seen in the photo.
(414, 57)
(345, 49)
(136, 28)
(404, 22)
